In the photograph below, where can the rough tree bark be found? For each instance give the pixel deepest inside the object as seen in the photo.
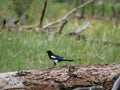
(61, 78)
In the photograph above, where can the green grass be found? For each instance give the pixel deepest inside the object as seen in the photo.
(21, 50)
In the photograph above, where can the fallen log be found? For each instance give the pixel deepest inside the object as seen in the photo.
(61, 78)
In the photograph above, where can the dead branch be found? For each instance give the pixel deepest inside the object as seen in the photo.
(30, 27)
(62, 26)
(80, 30)
(83, 28)
(61, 78)
(43, 13)
(62, 20)
(116, 84)
(67, 15)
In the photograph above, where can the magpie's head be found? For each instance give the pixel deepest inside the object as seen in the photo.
(48, 51)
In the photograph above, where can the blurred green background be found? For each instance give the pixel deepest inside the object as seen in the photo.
(21, 50)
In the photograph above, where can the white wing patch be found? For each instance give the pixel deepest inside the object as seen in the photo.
(53, 57)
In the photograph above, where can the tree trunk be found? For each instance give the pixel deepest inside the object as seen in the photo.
(82, 10)
(93, 8)
(61, 78)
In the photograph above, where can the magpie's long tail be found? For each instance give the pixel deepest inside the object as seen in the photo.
(68, 60)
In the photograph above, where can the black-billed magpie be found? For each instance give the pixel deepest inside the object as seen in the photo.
(56, 58)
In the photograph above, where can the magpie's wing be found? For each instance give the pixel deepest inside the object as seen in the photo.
(53, 57)
(56, 57)
(59, 57)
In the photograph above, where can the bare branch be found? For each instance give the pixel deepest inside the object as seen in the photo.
(43, 13)
(62, 20)
(30, 27)
(116, 84)
(62, 26)
(83, 28)
(68, 14)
